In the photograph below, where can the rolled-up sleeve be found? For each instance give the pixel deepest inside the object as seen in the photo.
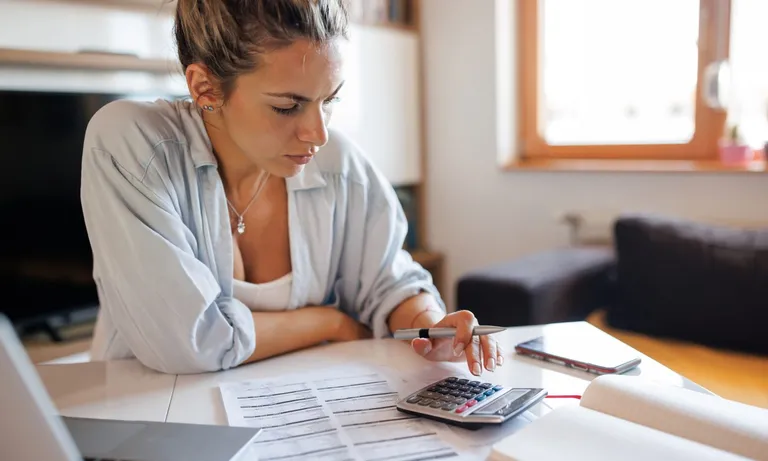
(388, 274)
(164, 302)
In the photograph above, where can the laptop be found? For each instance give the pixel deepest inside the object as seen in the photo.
(31, 429)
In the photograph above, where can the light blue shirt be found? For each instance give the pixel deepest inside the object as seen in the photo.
(157, 219)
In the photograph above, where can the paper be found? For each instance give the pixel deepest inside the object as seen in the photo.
(339, 415)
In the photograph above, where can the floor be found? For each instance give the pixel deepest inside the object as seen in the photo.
(732, 375)
(735, 376)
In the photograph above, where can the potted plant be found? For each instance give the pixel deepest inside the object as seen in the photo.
(733, 148)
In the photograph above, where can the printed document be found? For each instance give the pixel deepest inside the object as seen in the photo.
(341, 414)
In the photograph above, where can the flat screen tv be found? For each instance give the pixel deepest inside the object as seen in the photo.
(45, 255)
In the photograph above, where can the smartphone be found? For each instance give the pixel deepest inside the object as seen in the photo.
(600, 356)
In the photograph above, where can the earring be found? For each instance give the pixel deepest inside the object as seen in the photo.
(208, 108)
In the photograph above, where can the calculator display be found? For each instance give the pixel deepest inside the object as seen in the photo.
(508, 399)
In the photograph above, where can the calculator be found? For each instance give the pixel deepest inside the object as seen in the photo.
(470, 404)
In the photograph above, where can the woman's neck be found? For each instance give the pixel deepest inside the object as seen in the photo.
(238, 173)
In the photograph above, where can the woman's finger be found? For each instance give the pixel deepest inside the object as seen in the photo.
(488, 344)
(464, 322)
(499, 355)
(474, 355)
(422, 346)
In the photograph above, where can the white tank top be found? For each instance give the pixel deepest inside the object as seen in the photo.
(270, 296)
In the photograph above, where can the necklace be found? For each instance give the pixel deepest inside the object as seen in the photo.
(261, 182)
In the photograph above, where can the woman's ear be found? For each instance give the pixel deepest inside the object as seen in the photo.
(202, 87)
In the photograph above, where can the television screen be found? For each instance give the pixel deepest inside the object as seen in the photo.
(43, 240)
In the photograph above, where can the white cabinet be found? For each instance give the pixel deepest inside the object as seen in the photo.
(380, 101)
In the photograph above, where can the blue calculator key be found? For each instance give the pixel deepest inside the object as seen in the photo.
(489, 392)
(414, 399)
(480, 397)
(486, 385)
(497, 388)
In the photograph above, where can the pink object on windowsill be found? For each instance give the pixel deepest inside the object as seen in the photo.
(734, 154)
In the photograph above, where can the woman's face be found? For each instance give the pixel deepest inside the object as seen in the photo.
(277, 116)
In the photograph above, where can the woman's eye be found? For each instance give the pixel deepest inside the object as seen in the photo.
(286, 111)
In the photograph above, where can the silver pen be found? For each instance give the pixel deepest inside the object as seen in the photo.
(414, 333)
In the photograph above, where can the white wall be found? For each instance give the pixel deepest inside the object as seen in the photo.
(479, 214)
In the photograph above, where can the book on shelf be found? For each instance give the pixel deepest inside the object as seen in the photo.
(632, 419)
(380, 11)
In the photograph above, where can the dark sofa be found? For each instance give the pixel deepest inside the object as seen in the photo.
(664, 277)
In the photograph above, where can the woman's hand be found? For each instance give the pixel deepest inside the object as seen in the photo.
(476, 350)
(348, 329)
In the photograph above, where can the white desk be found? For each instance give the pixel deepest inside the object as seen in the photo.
(127, 390)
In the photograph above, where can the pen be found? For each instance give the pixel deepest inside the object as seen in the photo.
(414, 333)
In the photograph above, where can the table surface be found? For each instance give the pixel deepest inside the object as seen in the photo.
(126, 390)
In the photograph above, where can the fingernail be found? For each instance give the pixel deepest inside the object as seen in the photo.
(426, 350)
(458, 349)
(501, 360)
(491, 365)
(476, 369)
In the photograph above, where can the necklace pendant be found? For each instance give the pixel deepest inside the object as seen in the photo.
(240, 226)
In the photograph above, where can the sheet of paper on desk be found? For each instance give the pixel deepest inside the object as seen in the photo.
(342, 414)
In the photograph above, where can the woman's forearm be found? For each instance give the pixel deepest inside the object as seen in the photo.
(281, 332)
(420, 311)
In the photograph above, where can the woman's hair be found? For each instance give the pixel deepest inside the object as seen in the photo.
(227, 36)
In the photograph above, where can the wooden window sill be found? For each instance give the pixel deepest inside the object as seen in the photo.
(642, 166)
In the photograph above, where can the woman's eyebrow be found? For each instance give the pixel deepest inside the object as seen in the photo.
(300, 98)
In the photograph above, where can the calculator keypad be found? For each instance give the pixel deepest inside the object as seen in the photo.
(454, 394)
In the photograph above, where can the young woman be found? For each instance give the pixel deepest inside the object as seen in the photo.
(235, 226)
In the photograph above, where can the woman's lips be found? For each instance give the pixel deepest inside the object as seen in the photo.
(300, 159)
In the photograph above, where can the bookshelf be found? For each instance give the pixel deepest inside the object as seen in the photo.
(395, 14)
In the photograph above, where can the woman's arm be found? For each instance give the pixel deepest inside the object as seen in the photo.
(281, 332)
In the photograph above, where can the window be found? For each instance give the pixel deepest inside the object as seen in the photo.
(626, 78)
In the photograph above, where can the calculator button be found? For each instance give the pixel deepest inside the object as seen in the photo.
(460, 401)
(414, 399)
(451, 379)
(462, 381)
(486, 385)
(489, 392)
(449, 407)
(480, 397)
(453, 386)
(474, 383)
(443, 391)
(467, 395)
(464, 388)
(436, 404)
(456, 393)
(472, 403)
(497, 388)
(433, 389)
(425, 402)
(477, 390)
(461, 409)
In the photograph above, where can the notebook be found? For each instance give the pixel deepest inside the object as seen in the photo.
(629, 418)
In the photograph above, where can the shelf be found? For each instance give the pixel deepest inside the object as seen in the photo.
(85, 60)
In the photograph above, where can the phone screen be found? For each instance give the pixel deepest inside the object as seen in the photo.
(600, 351)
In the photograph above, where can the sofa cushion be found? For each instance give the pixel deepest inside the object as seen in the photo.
(692, 281)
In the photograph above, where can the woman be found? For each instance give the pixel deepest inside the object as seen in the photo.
(235, 227)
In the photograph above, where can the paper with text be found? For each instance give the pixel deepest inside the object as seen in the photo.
(334, 416)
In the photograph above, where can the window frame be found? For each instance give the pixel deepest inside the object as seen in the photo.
(709, 122)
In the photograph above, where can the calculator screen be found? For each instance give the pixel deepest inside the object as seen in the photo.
(510, 397)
